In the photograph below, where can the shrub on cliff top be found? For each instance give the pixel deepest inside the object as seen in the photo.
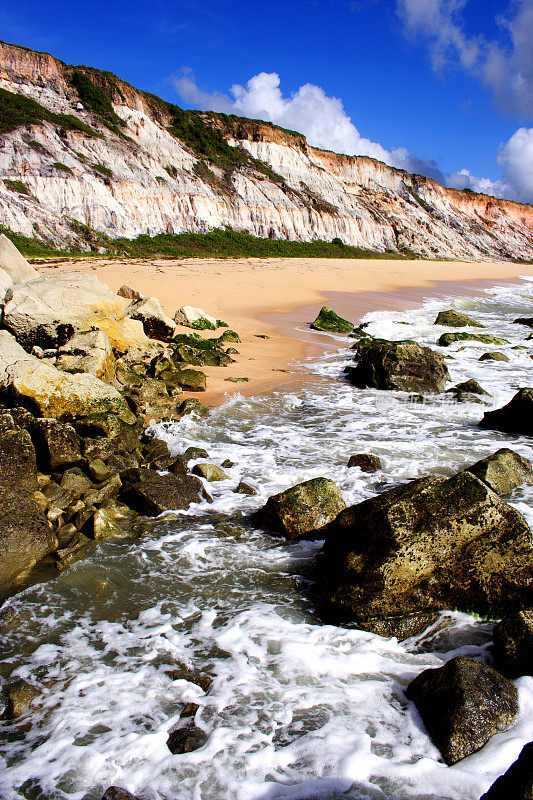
(17, 110)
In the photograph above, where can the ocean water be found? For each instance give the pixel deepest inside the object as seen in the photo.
(297, 709)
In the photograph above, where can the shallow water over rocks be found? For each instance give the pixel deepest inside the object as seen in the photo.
(297, 709)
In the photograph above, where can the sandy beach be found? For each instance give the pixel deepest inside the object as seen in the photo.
(277, 298)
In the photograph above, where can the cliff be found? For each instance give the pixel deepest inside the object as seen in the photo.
(80, 148)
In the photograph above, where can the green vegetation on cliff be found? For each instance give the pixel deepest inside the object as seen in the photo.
(17, 110)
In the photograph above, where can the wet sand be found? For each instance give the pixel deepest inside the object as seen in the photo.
(277, 298)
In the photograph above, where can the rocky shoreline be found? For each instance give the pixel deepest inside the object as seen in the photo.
(81, 370)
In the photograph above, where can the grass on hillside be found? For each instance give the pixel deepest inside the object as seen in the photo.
(216, 244)
(17, 110)
(97, 99)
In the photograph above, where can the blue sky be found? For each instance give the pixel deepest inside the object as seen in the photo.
(444, 81)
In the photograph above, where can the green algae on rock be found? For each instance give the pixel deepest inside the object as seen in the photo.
(330, 322)
(403, 366)
(453, 319)
(448, 339)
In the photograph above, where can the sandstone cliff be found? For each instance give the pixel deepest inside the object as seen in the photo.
(91, 150)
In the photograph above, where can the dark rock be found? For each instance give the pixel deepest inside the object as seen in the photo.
(73, 551)
(330, 322)
(245, 488)
(157, 455)
(467, 391)
(115, 793)
(448, 339)
(365, 462)
(524, 321)
(186, 739)
(453, 319)
(57, 445)
(192, 406)
(150, 493)
(189, 710)
(513, 644)
(227, 463)
(129, 293)
(99, 471)
(493, 356)
(183, 673)
(503, 471)
(303, 510)
(156, 324)
(191, 380)
(125, 437)
(515, 417)
(517, 782)
(404, 366)
(229, 336)
(463, 704)
(428, 545)
(195, 452)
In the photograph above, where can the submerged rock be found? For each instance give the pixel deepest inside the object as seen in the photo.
(503, 471)
(19, 696)
(150, 493)
(428, 545)
(404, 366)
(365, 462)
(116, 793)
(513, 644)
(453, 319)
(462, 705)
(303, 510)
(528, 321)
(330, 322)
(186, 739)
(448, 339)
(468, 391)
(515, 417)
(517, 782)
(493, 356)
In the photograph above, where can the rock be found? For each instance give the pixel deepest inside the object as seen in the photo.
(52, 393)
(107, 490)
(19, 696)
(195, 452)
(503, 471)
(189, 710)
(453, 319)
(192, 406)
(186, 739)
(524, 321)
(403, 366)
(13, 263)
(229, 336)
(113, 519)
(330, 322)
(57, 445)
(195, 318)
(156, 324)
(211, 472)
(431, 544)
(192, 380)
(515, 417)
(517, 782)
(73, 551)
(365, 462)
(462, 705)
(245, 488)
(115, 793)
(129, 293)
(47, 312)
(89, 351)
(25, 536)
(183, 673)
(99, 471)
(448, 339)
(157, 454)
(493, 356)
(303, 510)
(5, 283)
(150, 493)
(468, 391)
(513, 644)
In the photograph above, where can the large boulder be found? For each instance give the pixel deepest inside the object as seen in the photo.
(156, 324)
(431, 544)
(303, 510)
(150, 493)
(52, 393)
(513, 644)
(25, 536)
(503, 471)
(404, 366)
(47, 311)
(515, 417)
(327, 320)
(517, 782)
(88, 351)
(13, 263)
(463, 704)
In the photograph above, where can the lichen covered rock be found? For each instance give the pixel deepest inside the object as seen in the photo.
(403, 366)
(503, 471)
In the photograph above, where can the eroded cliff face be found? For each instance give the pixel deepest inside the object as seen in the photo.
(139, 177)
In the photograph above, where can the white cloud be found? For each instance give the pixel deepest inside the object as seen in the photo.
(517, 161)
(321, 118)
(507, 70)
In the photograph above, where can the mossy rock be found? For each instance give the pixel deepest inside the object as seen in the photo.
(453, 319)
(229, 336)
(330, 322)
(192, 406)
(402, 366)
(211, 472)
(493, 356)
(192, 380)
(448, 339)
(303, 510)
